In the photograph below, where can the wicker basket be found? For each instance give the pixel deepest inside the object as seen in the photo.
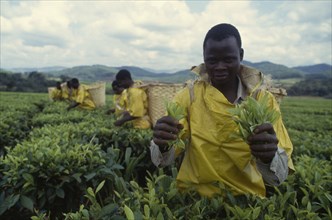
(97, 92)
(50, 90)
(158, 94)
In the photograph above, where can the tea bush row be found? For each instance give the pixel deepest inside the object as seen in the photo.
(77, 165)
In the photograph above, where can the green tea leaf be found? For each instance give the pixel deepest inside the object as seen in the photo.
(26, 202)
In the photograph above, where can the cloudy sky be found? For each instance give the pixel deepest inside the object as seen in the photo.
(162, 35)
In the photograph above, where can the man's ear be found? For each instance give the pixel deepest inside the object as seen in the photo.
(241, 54)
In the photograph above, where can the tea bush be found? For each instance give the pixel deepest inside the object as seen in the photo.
(77, 165)
(15, 117)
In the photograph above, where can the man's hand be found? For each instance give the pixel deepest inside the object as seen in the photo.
(110, 111)
(165, 130)
(73, 104)
(125, 117)
(119, 122)
(264, 142)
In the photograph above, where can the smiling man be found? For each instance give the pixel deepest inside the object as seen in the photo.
(214, 155)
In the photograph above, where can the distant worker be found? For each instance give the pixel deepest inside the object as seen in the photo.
(56, 93)
(66, 90)
(80, 96)
(118, 99)
(136, 102)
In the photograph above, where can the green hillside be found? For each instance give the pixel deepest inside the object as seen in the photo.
(87, 73)
(101, 72)
(277, 71)
(315, 69)
(105, 73)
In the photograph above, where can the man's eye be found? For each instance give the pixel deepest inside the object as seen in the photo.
(211, 62)
(228, 60)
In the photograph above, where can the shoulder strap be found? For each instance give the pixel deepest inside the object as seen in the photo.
(191, 91)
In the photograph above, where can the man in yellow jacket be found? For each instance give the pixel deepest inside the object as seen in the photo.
(136, 102)
(80, 96)
(214, 156)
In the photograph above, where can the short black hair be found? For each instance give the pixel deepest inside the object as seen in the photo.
(74, 80)
(222, 31)
(123, 75)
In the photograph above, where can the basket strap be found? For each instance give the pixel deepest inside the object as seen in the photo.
(191, 91)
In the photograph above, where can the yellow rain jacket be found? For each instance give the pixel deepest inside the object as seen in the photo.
(81, 95)
(214, 155)
(66, 92)
(56, 94)
(136, 102)
(119, 103)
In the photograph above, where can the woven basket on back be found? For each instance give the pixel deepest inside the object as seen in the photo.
(98, 93)
(158, 94)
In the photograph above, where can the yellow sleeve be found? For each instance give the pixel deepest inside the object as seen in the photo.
(123, 99)
(56, 94)
(115, 99)
(65, 93)
(137, 102)
(80, 95)
(53, 93)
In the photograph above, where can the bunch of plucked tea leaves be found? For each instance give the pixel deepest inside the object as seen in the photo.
(178, 112)
(250, 113)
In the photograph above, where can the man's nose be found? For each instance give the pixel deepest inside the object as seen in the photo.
(221, 65)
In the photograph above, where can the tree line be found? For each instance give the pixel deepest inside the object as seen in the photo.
(27, 82)
(313, 85)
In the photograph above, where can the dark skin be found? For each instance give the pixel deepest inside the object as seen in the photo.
(126, 83)
(222, 61)
(58, 85)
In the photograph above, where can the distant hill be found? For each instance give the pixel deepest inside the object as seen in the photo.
(277, 71)
(315, 69)
(145, 75)
(5, 71)
(107, 73)
(87, 73)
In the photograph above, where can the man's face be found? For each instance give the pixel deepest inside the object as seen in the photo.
(75, 85)
(58, 86)
(117, 90)
(222, 60)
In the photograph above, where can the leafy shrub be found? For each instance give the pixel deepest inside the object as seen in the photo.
(44, 172)
(77, 165)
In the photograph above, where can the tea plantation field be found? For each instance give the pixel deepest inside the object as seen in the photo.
(59, 164)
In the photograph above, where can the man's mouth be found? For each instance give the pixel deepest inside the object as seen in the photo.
(220, 76)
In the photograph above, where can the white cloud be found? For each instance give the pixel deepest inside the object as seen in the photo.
(159, 34)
